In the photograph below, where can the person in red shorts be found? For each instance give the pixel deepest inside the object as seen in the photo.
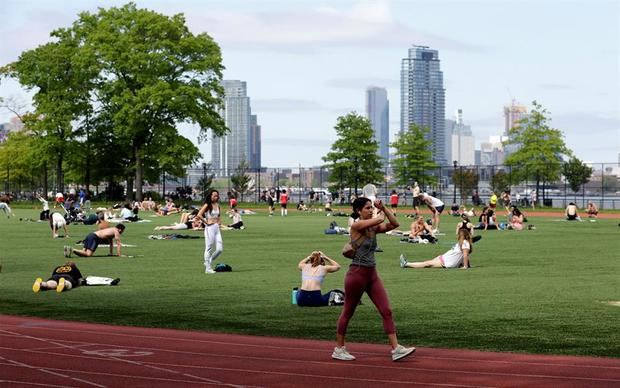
(283, 203)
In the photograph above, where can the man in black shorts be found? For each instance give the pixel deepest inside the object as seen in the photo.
(103, 236)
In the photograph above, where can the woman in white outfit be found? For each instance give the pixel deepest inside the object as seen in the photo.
(457, 257)
(209, 214)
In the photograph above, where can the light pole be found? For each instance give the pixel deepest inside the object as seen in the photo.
(204, 181)
(454, 163)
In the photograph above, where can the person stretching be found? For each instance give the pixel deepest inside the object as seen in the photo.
(103, 236)
(456, 257)
(313, 270)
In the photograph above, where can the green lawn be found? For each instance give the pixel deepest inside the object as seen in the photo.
(538, 291)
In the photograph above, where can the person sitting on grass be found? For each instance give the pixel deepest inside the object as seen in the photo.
(455, 210)
(516, 218)
(421, 231)
(465, 224)
(571, 212)
(313, 270)
(237, 221)
(457, 257)
(68, 276)
(592, 210)
(103, 236)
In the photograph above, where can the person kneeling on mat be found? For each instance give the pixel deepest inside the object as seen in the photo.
(313, 270)
(68, 276)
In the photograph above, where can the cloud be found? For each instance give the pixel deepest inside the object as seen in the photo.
(364, 24)
(362, 83)
(552, 86)
(285, 104)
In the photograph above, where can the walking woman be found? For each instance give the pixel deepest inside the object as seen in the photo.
(209, 214)
(362, 276)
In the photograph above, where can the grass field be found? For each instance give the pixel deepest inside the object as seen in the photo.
(538, 291)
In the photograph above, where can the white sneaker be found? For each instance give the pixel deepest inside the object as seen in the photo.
(403, 261)
(209, 271)
(401, 352)
(342, 354)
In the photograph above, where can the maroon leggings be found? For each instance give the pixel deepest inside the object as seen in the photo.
(357, 281)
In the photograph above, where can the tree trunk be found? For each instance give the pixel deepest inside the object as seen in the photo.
(138, 181)
(59, 178)
(44, 180)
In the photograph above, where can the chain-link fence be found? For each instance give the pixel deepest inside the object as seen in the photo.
(460, 184)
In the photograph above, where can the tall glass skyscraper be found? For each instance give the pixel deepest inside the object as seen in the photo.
(241, 143)
(378, 112)
(423, 98)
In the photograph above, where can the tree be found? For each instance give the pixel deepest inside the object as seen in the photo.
(413, 156)
(501, 181)
(466, 180)
(205, 182)
(240, 180)
(576, 173)
(142, 71)
(61, 80)
(353, 159)
(154, 73)
(540, 148)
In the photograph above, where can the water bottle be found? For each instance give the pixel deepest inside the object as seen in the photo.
(294, 295)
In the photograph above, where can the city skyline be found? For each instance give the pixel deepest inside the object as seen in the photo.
(308, 62)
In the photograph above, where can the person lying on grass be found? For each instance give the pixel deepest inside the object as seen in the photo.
(68, 276)
(456, 257)
(103, 236)
(313, 270)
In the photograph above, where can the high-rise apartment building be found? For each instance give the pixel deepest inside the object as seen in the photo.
(460, 143)
(422, 97)
(254, 143)
(241, 143)
(378, 112)
(512, 115)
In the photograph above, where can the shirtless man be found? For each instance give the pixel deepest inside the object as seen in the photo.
(103, 236)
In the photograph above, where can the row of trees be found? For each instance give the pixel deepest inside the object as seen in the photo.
(109, 93)
(540, 155)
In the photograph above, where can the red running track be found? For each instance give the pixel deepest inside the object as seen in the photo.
(36, 352)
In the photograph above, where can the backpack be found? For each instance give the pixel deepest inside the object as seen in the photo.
(221, 267)
(336, 297)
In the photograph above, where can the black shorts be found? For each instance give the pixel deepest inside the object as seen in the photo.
(416, 202)
(283, 205)
(92, 242)
(394, 205)
(440, 209)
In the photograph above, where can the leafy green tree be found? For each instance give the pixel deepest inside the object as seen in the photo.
(413, 157)
(576, 173)
(540, 148)
(240, 180)
(18, 158)
(500, 181)
(61, 83)
(353, 159)
(154, 73)
(466, 180)
(205, 182)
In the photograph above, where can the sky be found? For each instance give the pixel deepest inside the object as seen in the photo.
(307, 62)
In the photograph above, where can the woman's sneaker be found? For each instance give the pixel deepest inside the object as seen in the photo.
(342, 354)
(403, 261)
(401, 352)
